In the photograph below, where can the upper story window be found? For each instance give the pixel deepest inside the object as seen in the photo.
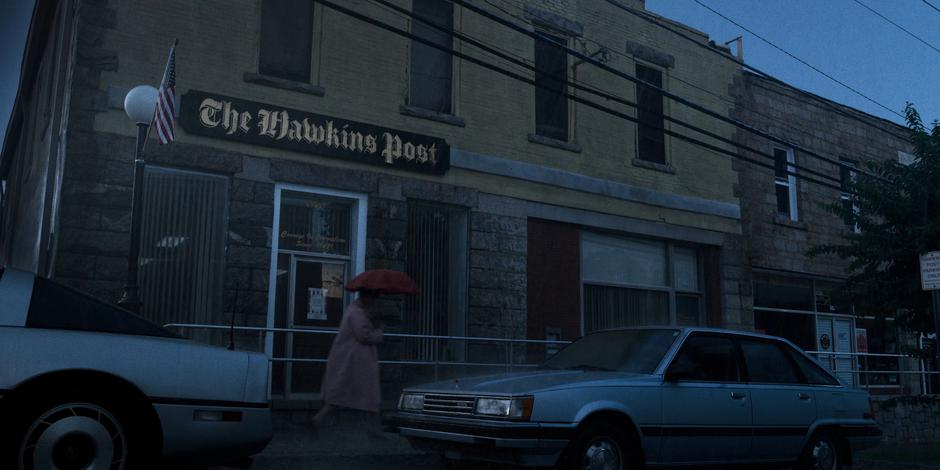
(905, 158)
(651, 141)
(848, 177)
(431, 81)
(286, 39)
(785, 182)
(551, 74)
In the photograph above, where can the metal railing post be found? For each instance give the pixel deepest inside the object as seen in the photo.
(511, 356)
(436, 369)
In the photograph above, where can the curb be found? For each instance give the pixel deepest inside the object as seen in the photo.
(886, 465)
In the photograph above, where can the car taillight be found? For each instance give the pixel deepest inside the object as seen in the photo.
(871, 410)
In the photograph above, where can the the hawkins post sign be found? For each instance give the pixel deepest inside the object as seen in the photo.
(228, 118)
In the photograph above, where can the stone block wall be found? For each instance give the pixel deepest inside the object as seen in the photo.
(909, 419)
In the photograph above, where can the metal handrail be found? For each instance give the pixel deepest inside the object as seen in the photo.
(510, 363)
(388, 335)
(827, 353)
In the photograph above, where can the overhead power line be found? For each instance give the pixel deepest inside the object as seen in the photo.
(582, 86)
(369, 20)
(830, 77)
(585, 58)
(898, 26)
(833, 107)
(931, 5)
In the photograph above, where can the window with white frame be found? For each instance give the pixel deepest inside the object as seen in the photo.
(848, 177)
(639, 282)
(785, 182)
(906, 159)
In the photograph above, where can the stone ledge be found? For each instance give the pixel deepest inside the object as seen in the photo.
(422, 113)
(786, 222)
(558, 144)
(275, 82)
(554, 21)
(663, 167)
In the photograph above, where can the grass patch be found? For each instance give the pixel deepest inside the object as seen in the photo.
(924, 454)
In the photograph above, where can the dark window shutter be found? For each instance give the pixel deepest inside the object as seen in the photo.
(551, 104)
(432, 69)
(286, 39)
(651, 136)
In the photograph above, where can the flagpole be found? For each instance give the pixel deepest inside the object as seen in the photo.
(130, 298)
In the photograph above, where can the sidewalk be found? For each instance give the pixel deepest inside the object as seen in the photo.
(341, 445)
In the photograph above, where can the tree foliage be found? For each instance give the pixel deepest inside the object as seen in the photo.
(898, 214)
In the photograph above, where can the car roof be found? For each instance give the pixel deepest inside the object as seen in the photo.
(686, 330)
(16, 289)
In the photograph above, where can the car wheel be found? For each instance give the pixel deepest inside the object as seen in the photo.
(602, 447)
(73, 435)
(821, 453)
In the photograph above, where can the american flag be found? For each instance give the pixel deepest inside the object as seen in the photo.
(166, 101)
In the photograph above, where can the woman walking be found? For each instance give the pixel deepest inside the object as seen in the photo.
(351, 379)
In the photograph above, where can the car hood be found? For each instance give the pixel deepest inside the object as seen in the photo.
(520, 383)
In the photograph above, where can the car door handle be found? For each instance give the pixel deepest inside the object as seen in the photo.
(803, 396)
(738, 395)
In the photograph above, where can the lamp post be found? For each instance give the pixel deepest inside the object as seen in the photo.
(139, 104)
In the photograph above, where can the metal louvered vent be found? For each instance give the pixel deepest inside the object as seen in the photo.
(451, 405)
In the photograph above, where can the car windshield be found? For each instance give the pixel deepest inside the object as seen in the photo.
(634, 351)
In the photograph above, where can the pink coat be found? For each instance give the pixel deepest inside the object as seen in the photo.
(351, 379)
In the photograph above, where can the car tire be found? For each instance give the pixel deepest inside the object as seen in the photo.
(78, 430)
(821, 453)
(602, 446)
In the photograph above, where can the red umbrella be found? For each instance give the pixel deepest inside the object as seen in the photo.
(384, 281)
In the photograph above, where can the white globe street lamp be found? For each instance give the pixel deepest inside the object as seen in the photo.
(139, 104)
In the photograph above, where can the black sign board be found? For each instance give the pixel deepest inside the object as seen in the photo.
(228, 118)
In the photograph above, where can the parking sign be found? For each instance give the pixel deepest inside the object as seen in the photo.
(930, 271)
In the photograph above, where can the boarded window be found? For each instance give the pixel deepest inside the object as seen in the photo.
(431, 68)
(551, 73)
(286, 39)
(182, 246)
(651, 138)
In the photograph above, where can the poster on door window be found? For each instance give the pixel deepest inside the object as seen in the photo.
(861, 340)
(316, 303)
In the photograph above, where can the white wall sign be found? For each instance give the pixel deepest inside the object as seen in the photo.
(930, 271)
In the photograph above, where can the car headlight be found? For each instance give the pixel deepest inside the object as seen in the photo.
(519, 408)
(411, 401)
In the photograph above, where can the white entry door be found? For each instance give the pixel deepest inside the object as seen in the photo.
(833, 336)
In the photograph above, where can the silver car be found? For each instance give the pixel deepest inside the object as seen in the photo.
(626, 398)
(86, 385)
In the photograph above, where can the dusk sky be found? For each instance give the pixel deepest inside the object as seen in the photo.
(840, 37)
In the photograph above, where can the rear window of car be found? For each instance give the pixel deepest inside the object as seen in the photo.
(813, 372)
(55, 306)
(767, 362)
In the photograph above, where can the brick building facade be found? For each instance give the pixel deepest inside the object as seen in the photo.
(552, 219)
(795, 295)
